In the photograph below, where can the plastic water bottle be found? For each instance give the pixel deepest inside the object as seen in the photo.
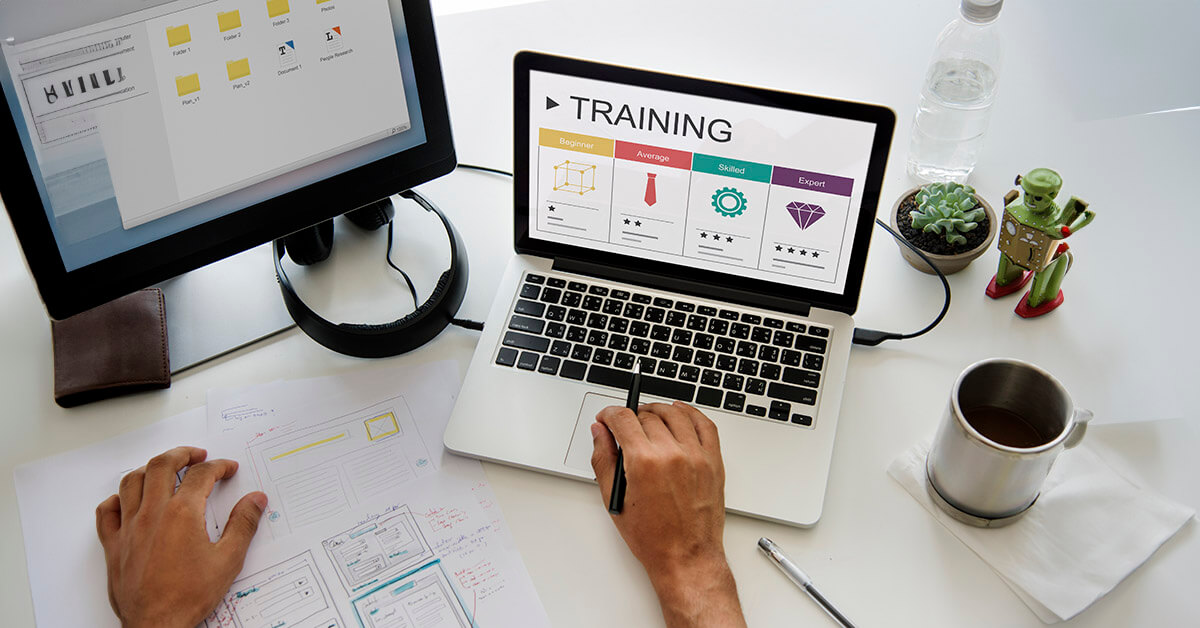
(956, 99)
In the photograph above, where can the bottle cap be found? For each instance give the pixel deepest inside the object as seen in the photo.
(981, 10)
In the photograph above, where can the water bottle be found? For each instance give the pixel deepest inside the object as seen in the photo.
(956, 99)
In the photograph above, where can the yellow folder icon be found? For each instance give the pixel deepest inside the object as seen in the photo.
(229, 20)
(277, 7)
(187, 84)
(238, 69)
(177, 35)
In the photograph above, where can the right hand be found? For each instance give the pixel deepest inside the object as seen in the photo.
(674, 514)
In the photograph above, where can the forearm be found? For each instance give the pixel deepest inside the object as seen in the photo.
(702, 595)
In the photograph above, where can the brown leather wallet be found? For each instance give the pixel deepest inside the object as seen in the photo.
(117, 348)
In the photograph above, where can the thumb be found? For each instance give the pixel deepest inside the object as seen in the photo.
(604, 458)
(242, 524)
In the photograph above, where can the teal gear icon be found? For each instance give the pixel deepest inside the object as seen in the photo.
(729, 202)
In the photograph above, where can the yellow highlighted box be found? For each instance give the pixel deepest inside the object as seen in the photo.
(187, 84)
(229, 20)
(308, 446)
(576, 142)
(382, 425)
(178, 35)
(323, 1)
(275, 8)
(237, 69)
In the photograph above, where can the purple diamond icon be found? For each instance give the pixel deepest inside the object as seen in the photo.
(805, 214)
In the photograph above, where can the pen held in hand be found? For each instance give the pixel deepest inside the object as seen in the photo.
(616, 500)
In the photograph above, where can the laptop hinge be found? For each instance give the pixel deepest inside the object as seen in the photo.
(685, 286)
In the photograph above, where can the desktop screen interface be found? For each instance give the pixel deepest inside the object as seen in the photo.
(140, 122)
(747, 190)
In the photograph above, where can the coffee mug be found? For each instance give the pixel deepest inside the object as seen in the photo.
(1006, 423)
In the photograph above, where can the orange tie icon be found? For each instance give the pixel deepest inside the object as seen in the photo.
(651, 197)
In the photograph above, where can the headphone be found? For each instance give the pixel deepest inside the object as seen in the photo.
(314, 244)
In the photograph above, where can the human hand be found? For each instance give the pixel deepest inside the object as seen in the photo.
(674, 514)
(162, 569)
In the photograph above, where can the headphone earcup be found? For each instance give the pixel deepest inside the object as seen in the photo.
(311, 245)
(373, 216)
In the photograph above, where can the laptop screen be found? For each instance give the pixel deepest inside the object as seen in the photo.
(755, 191)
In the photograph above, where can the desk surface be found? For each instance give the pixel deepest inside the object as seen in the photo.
(1084, 89)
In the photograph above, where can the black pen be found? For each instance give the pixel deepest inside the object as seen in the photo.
(616, 501)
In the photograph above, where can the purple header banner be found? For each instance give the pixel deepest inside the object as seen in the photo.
(814, 181)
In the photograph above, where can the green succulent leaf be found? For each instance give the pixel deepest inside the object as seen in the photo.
(947, 208)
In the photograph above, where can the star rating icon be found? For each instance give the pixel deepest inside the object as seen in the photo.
(816, 254)
(704, 235)
(551, 208)
(792, 250)
(803, 252)
(637, 223)
(728, 239)
(626, 221)
(778, 247)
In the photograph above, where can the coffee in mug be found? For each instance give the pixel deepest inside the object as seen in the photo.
(1005, 424)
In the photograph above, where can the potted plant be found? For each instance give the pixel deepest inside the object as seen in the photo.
(949, 223)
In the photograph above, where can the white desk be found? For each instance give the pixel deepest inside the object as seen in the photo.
(1075, 75)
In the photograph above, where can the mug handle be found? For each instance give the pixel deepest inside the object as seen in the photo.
(1078, 427)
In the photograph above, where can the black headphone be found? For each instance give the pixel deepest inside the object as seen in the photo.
(312, 245)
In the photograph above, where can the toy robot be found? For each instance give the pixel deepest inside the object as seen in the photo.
(1030, 242)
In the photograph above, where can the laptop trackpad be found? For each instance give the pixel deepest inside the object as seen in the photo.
(579, 453)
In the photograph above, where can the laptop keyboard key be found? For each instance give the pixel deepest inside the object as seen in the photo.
(689, 373)
(572, 299)
(620, 294)
(556, 330)
(531, 278)
(556, 313)
(597, 338)
(706, 310)
(795, 394)
(726, 362)
(527, 324)
(681, 337)
(709, 397)
(748, 367)
(506, 356)
(801, 377)
(752, 319)
(602, 356)
(613, 306)
(572, 370)
(812, 361)
(684, 307)
(646, 364)
(676, 318)
(725, 345)
(732, 381)
(734, 402)
(530, 291)
(600, 290)
(597, 321)
(795, 327)
(525, 341)
(624, 360)
(739, 330)
(576, 334)
(761, 334)
(551, 295)
(660, 332)
(641, 298)
(668, 369)
(576, 317)
(818, 331)
(773, 323)
(769, 371)
(555, 282)
(661, 350)
(696, 322)
(718, 326)
(549, 365)
(756, 410)
(651, 385)
(747, 349)
(618, 325)
(705, 358)
(782, 338)
(639, 328)
(577, 286)
(755, 386)
(640, 346)
(655, 314)
(767, 353)
(633, 310)
(683, 355)
(527, 361)
(711, 378)
(593, 303)
(780, 410)
(791, 358)
(530, 308)
(802, 419)
(702, 341)
(583, 353)
(561, 348)
(808, 343)
(617, 342)
(662, 302)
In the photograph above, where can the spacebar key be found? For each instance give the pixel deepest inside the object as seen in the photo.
(651, 385)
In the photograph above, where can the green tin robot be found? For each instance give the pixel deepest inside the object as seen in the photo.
(1031, 242)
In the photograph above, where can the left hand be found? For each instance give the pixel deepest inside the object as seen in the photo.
(162, 569)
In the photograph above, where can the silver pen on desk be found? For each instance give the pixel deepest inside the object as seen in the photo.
(796, 575)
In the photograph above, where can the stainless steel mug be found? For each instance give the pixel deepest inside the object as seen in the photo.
(1006, 423)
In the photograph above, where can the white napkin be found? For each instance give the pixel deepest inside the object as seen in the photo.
(1089, 529)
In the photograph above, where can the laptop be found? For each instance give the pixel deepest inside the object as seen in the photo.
(712, 235)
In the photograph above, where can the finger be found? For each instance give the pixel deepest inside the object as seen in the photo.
(240, 529)
(706, 430)
(200, 478)
(604, 458)
(130, 493)
(624, 425)
(162, 471)
(108, 521)
(677, 421)
(652, 424)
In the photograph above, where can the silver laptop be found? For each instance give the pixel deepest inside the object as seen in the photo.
(712, 235)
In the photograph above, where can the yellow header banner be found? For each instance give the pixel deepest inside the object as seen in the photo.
(576, 142)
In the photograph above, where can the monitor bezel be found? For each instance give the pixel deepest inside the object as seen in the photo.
(884, 119)
(66, 293)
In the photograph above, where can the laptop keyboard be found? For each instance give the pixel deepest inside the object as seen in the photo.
(743, 363)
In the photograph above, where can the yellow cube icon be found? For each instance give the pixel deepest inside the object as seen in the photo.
(237, 69)
(229, 20)
(275, 8)
(178, 35)
(187, 84)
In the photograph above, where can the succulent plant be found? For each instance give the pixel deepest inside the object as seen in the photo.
(948, 209)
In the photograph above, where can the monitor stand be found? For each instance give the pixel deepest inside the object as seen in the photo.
(222, 307)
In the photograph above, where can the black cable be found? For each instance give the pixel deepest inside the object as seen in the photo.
(467, 323)
(872, 337)
(486, 169)
(407, 279)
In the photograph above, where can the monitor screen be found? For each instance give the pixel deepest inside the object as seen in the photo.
(189, 121)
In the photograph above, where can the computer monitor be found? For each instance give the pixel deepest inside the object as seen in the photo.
(146, 139)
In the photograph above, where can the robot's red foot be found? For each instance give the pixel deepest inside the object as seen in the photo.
(1024, 311)
(996, 291)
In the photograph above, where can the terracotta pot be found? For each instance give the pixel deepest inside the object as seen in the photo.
(949, 264)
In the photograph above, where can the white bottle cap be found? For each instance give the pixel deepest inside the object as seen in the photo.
(981, 11)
